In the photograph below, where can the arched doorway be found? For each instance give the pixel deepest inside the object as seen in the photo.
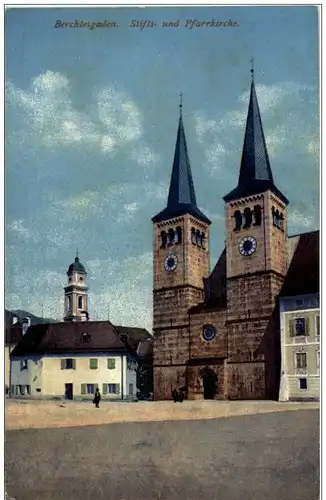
(209, 383)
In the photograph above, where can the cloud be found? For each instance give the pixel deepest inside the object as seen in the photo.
(111, 121)
(300, 221)
(17, 226)
(282, 107)
(114, 286)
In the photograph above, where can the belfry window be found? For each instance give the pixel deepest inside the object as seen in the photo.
(248, 217)
(203, 241)
(198, 238)
(80, 302)
(69, 303)
(257, 215)
(281, 222)
(238, 220)
(178, 235)
(193, 235)
(164, 239)
(170, 237)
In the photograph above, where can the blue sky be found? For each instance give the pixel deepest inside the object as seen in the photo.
(91, 122)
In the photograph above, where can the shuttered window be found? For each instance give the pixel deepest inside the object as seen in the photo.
(105, 389)
(301, 360)
(111, 363)
(93, 364)
(68, 364)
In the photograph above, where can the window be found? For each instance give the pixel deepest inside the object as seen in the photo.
(178, 235)
(170, 237)
(85, 338)
(193, 235)
(164, 239)
(281, 222)
(203, 241)
(113, 388)
(303, 383)
(68, 364)
(318, 360)
(238, 220)
(22, 390)
(299, 327)
(80, 302)
(93, 364)
(69, 303)
(81, 278)
(23, 365)
(301, 360)
(317, 330)
(248, 217)
(111, 364)
(38, 389)
(28, 389)
(88, 388)
(257, 214)
(131, 389)
(198, 238)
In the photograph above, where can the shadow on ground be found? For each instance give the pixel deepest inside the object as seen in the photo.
(266, 456)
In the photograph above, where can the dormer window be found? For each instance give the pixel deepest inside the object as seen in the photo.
(85, 338)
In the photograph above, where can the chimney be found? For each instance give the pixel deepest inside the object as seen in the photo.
(26, 323)
(14, 320)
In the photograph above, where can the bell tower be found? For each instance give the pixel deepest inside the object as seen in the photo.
(255, 213)
(76, 299)
(181, 261)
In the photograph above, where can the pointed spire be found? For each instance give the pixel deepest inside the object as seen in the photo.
(182, 197)
(255, 170)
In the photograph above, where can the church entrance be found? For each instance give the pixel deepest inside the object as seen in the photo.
(210, 384)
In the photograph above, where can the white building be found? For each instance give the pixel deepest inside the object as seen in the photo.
(70, 360)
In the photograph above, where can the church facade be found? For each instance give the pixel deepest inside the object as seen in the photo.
(217, 334)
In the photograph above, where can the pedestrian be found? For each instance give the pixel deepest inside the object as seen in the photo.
(175, 395)
(97, 398)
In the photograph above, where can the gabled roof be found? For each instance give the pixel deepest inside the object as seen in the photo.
(303, 276)
(13, 334)
(255, 170)
(182, 197)
(67, 337)
(134, 335)
(214, 288)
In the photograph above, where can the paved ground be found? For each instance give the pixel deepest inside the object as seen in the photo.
(264, 456)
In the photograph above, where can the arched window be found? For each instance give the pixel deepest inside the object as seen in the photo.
(248, 217)
(170, 237)
(164, 239)
(178, 235)
(193, 235)
(277, 218)
(69, 303)
(203, 241)
(281, 226)
(257, 214)
(274, 216)
(238, 220)
(198, 238)
(80, 302)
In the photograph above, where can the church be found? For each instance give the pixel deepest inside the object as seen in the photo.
(217, 334)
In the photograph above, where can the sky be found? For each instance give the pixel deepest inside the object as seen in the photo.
(91, 120)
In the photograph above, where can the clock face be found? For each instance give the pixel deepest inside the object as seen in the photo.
(247, 245)
(171, 262)
(209, 332)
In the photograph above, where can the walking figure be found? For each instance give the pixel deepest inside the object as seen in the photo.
(97, 398)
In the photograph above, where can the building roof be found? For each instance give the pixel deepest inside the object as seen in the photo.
(182, 197)
(76, 266)
(67, 337)
(13, 334)
(134, 335)
(303, 276)
(214, 288)
(255, 170)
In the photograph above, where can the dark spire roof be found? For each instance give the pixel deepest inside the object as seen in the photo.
(255, 171)
(76, 266)
(182, 198)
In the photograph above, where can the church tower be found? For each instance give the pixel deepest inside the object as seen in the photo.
(256, 219)
(76, 300)
(181, 261)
